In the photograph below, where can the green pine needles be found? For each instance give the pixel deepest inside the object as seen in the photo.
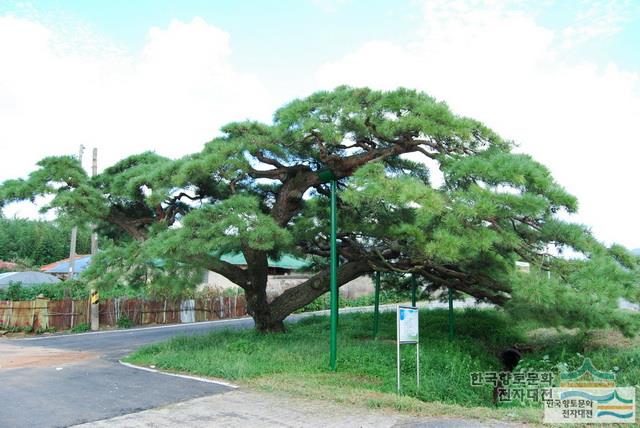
(256, 190)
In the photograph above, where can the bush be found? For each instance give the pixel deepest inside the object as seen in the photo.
(386, 297)
(71, 288)
(12, 328)
(27, 329)
(124, 322)
(14, 291)
(78, 289)
(80, 328)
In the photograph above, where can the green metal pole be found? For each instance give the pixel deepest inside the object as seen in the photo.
(413, 290)
(451, 327)
(333, 345)
(376, 308)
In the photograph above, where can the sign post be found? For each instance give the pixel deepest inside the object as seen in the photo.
(333, 351)
(94, 311)
(414, 286)
(408, 333)
(451, 328)
(376, 307)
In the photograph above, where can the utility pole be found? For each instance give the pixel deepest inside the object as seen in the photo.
(72, 251)
(95, 297)
(94, 172)
(74, 232)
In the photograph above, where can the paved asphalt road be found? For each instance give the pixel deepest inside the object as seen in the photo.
(98, 388)
(102, 388)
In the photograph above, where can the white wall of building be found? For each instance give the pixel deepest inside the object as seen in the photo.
(276, 284)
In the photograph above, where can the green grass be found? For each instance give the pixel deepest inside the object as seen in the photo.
(297, 362)
(608, 350)
(81, 328)
(26, 329)
(386, 296)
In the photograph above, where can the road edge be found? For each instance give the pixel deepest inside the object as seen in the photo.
(196, 378)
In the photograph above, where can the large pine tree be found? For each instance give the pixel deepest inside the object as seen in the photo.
(258, 190)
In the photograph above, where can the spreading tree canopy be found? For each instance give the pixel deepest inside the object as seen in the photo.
(421, 190)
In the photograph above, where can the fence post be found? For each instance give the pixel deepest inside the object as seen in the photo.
(73, 313)
(41, 313)
(10, 321)
(33, 313)
(376, 306)
(235, 304)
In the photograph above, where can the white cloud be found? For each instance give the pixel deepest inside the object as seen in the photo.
(502, 67)
(64, 86)
(601, 19)
(60, 88)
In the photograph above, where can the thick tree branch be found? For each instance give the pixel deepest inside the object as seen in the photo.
(232, 272)
(302, 294)
(128, 225)
(269, 161)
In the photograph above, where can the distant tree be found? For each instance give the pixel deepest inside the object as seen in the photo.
(258, 190)
(36, 242)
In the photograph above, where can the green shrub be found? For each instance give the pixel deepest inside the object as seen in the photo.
(386, 297)
(80, 328)
(58, 291)
(78, 289)
(12, 328)
(14, 291)
(124, 322)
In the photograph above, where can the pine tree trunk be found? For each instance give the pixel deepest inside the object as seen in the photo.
(269, 325)
(258, 305)
(260, 310)
(269, 316)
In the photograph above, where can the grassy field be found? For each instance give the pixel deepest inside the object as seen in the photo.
(296, 362)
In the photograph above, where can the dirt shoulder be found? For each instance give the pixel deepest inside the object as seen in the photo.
(16, 356)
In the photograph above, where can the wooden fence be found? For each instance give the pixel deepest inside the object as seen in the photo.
(66, 314)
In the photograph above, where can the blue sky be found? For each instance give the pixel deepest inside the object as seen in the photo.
(561, 78)
(285, 39)
(290, 38)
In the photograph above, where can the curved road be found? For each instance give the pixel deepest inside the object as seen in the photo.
(85, 390)
(77, 378)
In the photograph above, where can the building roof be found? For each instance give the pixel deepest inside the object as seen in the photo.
(62, 266)
(26, 278)
(8, 265)
(286, 261)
